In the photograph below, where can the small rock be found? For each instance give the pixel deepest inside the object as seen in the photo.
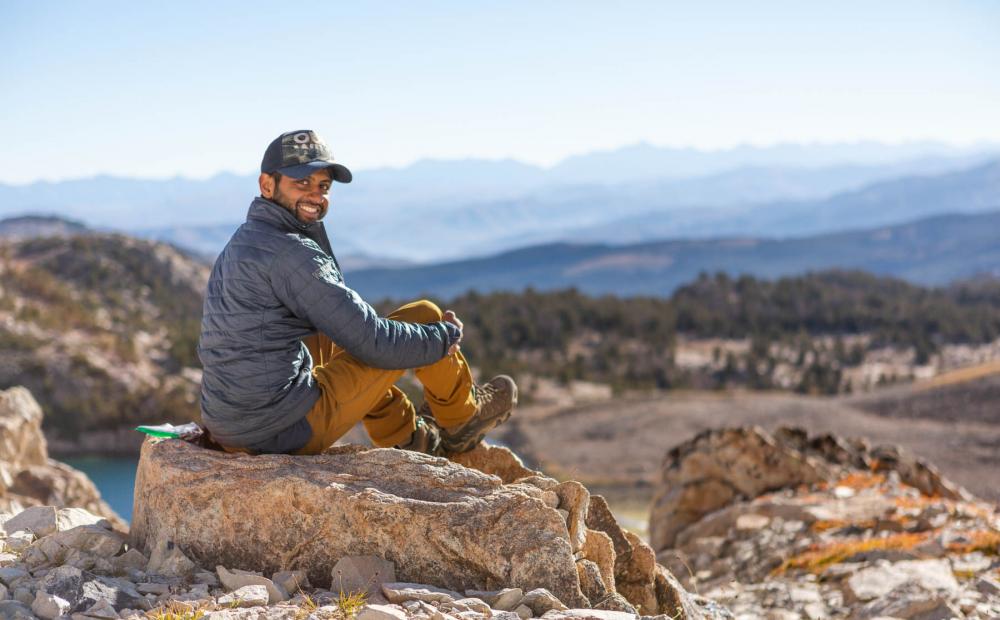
(475, 604)
(523, 612)
(14, 610)
(4, 595)
(10, 574)
(615, 602)
(540, 601)
(381, 612)
(507, 599)
(400, 592)
(102, 610)
(168, 560)
(247, 596)
(291, 580)
(235, 579)
(589, 614)
(206, 578)
(68, 518)
(988, 586)
(591, 580)
(49, 606)
(362, 573)
(23, 595)
(751, 522)
(153, 588)
(19, 541)
(131, 559)
(39, 520)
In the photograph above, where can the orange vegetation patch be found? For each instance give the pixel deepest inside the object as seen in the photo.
(984, 541)
(825, 525)
(861, 480)
(818, 557)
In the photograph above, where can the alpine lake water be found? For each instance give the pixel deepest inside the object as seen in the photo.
(114, 477)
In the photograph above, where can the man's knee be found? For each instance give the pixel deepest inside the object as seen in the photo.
(421, 311)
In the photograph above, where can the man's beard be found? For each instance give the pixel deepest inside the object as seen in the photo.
(284, 201)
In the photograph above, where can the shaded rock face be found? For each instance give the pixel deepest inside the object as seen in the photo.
(857, 532)
(483, 523)
(28, 477)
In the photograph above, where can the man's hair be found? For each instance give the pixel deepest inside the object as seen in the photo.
(276, 176)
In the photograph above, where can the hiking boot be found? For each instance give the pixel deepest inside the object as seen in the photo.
(494, 402)
(426, 438)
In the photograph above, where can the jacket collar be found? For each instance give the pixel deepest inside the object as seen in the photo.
(274, 214)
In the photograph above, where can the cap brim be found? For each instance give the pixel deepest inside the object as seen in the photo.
(338, 172)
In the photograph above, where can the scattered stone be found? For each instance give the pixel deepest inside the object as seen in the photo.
(38, 520)
(588, 614)
(153, 588)
(475, 604)
(591, 580)
(15, 610)
(290, 580)
(399, 592)
(615, 602)
(381, 612)
(247, 596)
(523, 612)
(988, 586)
(49, 606)
(541, 600)
(167, 559)
(507, 599)
(362, 573)
(68, 518)
(751, 522)
(235, 579)
(10, 574)
(132, 559)
(574, 498)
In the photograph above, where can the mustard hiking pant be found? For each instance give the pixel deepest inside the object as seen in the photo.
(351, 392)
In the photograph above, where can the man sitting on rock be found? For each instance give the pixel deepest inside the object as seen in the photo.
(293, 358)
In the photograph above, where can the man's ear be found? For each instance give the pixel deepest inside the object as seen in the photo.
(266, 183)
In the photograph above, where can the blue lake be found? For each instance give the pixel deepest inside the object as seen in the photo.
(114, 477)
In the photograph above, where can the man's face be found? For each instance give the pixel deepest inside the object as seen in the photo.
(306, 198)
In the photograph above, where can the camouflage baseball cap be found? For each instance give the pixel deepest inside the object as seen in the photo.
(300, 153)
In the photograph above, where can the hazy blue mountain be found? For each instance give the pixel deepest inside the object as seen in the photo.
(485, 195)
(928, 251)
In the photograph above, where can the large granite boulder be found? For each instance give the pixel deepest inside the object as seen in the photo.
(482, 522)
(438, 522)
(28, 477)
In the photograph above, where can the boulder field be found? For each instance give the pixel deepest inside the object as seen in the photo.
(789, 526)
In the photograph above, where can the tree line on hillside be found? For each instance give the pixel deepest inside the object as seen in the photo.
(631, 342)
(80, 314)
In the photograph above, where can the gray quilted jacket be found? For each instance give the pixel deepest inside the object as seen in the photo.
(275, 283)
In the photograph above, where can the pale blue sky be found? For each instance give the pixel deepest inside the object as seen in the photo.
(160, 89)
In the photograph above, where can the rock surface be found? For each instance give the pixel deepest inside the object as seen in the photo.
(477, 526)
(823, 528)
(28, 477)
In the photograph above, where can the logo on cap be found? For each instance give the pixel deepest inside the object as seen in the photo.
(303, 147)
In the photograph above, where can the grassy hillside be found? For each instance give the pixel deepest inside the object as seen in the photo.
(101, 328)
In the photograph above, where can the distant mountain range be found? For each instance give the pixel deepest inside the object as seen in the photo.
(437, 210)
(929, 251)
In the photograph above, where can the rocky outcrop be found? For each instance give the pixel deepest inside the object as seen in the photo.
(822, 527)
(483, 523)
(28, 477)
(721, 467)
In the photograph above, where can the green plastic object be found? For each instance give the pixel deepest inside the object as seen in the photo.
(169, 430)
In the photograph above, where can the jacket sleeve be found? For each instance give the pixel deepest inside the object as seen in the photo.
(308, 282)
